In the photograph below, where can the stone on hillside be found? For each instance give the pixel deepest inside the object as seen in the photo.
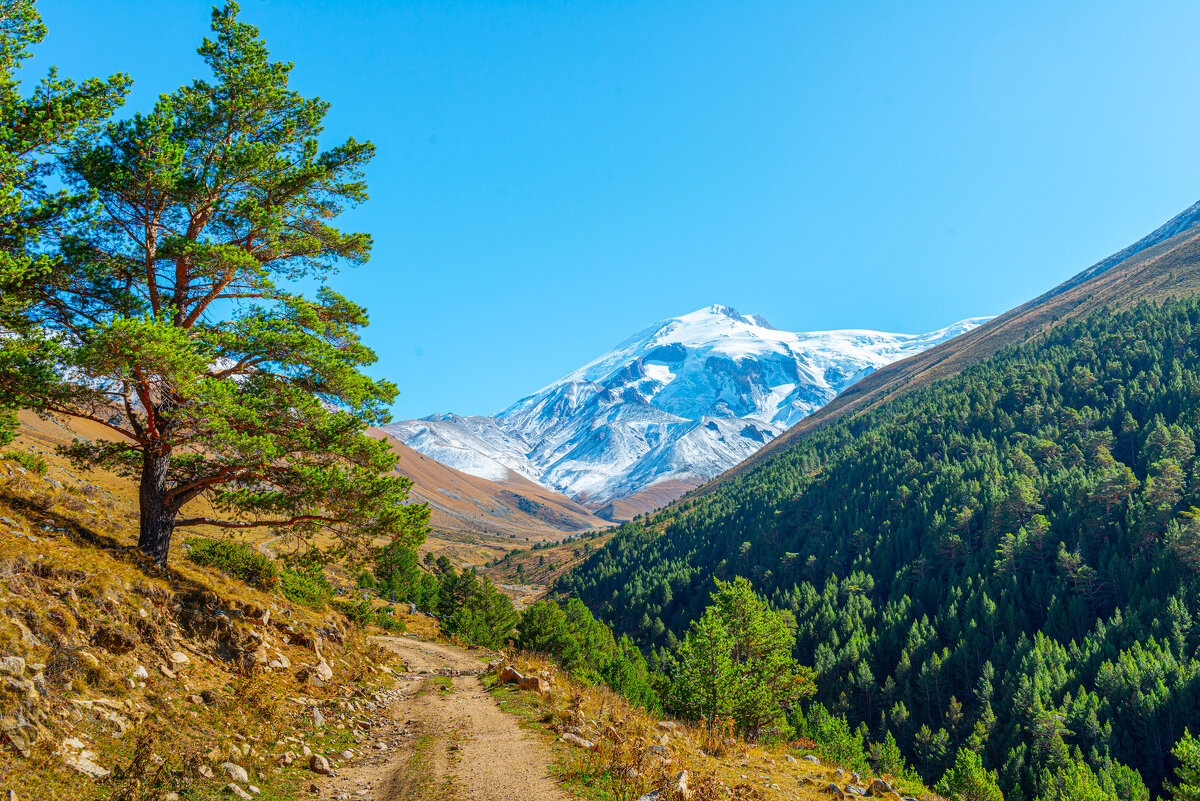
(280, 662)
(790, 759)
(317, 718)
(237, 792)
(205, 772)
(235, 772)
(852, 789)
(880, 787)
(319, 764)
(835, 790)
(140, 672)
(510, 674)
(253, 790)
(536, 684)
(83, 762)
(178, 661)
(575, 739)
(166, 671)
(666, 725)
(89, 660)
(12, 666)
(812, 759)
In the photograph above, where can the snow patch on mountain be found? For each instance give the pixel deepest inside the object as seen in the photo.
(686, 398)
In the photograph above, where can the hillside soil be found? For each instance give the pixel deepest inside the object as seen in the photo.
(445, 737)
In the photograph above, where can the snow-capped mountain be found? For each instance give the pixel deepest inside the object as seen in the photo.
(683, 400)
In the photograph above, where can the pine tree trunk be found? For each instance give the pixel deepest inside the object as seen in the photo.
(157, 517)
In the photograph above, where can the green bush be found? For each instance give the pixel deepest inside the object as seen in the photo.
(306, 586)
(235, 558)
(29, 461)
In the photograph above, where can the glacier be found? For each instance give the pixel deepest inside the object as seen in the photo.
(682, 400)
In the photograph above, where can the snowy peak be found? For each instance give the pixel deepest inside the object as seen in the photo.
(682, 400)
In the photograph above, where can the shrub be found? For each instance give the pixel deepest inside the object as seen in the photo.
(306, 586)
(31, 462)
(235, 558)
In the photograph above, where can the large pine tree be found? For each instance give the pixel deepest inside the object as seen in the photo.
(34, 129)
(175, 317)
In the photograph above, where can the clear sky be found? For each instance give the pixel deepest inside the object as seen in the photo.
(553, 176)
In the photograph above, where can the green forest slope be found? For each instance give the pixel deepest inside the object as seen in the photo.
(1005, 559)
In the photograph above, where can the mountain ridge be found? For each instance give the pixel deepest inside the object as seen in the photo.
(1165, 261)
(677, 403)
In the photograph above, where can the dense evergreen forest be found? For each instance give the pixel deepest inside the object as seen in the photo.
(1005, 561)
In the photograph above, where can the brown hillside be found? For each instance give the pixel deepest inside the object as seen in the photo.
(1170, 268)
(466, 504)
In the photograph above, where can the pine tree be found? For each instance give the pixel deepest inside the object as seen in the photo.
(174, 323)
(1187, 774)
(34, 130)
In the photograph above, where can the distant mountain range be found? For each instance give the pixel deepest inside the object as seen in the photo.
(664, 411)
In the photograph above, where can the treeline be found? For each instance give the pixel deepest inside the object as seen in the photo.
(1005, 562)
(471, 608)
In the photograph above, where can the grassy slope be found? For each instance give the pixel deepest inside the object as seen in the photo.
(81, 609)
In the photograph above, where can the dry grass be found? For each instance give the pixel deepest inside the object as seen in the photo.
(78, 603)
(635, 753)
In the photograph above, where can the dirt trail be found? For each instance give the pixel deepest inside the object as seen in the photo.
(432, 743)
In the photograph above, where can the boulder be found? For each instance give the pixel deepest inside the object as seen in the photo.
(319, 765)
(12, 666)
(575, 739)
(140, 673)
(536, 684)
(178, 661)
(811, 758)
(237, 792)
(510, 675)
(879, 787)
(235, 772)
(666, 725)
(205, 772)
(322, 670)
(83, 762)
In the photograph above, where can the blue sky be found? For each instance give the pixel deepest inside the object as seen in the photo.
(553, 176)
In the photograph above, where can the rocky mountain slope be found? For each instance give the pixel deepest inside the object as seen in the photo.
(668, 408)
(1165, 263)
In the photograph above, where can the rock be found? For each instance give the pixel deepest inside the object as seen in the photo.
(166, 671)
(235, 772)
(811, 758)
(666, 725)
(347, 754)
(205, 772)
(535, 684)
(319, 765)
(235, 791)
(323, 671)
(835, 790)
(853, 789)
(251, 788)
(880, 787)
(178, 661)
(280, 662)
(317, 718)
(89, 660)
(12, 666)
(680, 787)
(791, 760)
(83, 763)
(510, 675)
(287, 759)
(575, 739)
(171, 796)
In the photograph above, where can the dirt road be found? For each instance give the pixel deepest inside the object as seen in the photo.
(444, 737)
